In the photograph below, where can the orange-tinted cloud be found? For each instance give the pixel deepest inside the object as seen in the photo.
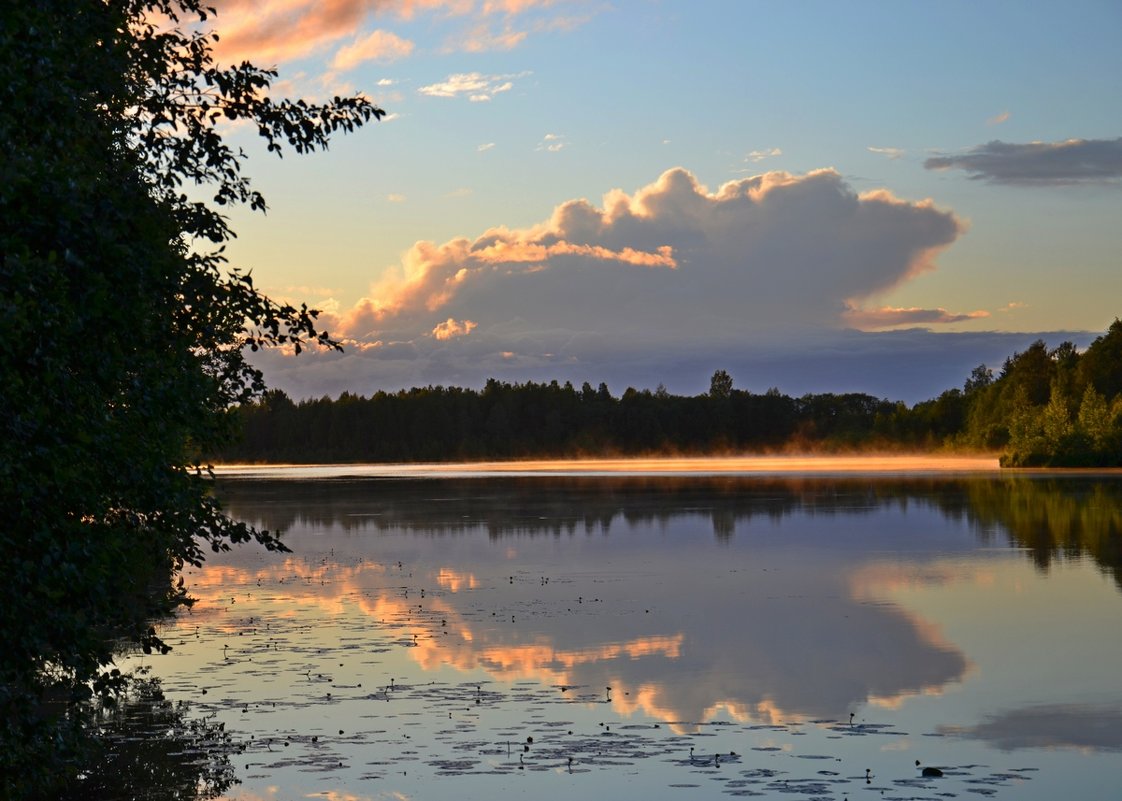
(378, 46)
(273, 31)
(451, 328)
(665, 284)
(671, 259)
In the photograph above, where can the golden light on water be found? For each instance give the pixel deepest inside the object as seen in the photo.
(886, 464)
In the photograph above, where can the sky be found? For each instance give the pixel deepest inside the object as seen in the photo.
(851, 197)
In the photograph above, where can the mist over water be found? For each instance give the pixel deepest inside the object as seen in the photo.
(811, 464)
(456, 637)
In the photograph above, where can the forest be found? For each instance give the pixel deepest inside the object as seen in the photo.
(1045, 408)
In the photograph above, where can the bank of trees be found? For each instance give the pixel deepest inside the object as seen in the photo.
(124, 334)
(537, 419)
(1044, 408)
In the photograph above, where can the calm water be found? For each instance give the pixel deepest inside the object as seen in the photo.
(762, 635)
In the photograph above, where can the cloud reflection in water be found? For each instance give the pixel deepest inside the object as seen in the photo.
(773, 619)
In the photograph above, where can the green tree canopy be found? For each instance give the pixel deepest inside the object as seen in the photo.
(720, 385)
(124, 333)
(1101, 365)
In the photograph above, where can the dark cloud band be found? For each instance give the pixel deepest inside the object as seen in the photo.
(1074, 161)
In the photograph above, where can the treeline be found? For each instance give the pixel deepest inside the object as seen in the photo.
(1044, 408)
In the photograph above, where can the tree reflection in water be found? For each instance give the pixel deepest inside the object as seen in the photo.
(149, 748)
(1053, 517)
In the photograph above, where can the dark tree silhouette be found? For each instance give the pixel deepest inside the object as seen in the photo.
(123, 332)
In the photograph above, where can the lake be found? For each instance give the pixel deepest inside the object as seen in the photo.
(662, 630)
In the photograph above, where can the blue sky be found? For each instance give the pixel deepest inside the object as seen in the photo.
(815, 196)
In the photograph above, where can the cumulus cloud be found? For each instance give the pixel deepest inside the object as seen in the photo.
(646, 277)
(1073, 161)
(890, 317)
(452, 328)
(765, 276)
(476, 86)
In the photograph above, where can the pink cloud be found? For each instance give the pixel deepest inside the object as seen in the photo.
(378, 46)
(273, 31)
(670, 260)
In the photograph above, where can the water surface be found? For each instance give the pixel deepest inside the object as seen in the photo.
(781, 634)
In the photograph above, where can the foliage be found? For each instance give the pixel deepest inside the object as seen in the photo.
(537, 419)
(720, 385)
(123, 336)
(1043, 409)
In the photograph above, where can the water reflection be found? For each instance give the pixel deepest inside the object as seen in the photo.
(1051, 518)
(780, 629)
(833, 609)
(1076, 726)
(150, 748)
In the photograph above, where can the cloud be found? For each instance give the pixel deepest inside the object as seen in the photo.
(378, 46)
(552, 143)
(997, 119)
(889, 317)
(483, 148)
(282, 30)
(774, 250)
(482, 38)
(759, 155)
(395, 197)
(1074, 161)
(888, 152)
(477, 86)
(672, 280)
(272, 31)
(451, 328)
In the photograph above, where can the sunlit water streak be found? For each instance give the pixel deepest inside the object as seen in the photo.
(698, 466)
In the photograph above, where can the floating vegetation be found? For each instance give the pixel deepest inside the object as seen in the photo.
(329, 700)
